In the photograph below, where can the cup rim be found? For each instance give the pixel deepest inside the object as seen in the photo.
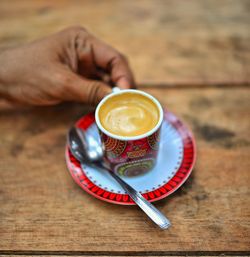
(126, 138)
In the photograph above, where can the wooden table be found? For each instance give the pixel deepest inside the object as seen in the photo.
(194, 56)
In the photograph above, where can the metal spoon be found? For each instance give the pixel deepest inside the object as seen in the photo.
(88, 151)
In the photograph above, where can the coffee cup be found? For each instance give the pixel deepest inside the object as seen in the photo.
(129, 122)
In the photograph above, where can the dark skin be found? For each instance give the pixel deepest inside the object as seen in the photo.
(71, 65)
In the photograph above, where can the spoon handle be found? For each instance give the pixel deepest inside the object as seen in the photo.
(154, 214)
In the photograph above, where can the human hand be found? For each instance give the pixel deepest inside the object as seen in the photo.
(71, 65)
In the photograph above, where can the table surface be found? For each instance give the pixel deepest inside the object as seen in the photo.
(194, 56)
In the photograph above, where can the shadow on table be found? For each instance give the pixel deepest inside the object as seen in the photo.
(64, 113)
(180, 192)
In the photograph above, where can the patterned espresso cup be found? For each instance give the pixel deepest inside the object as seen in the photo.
(133, 155)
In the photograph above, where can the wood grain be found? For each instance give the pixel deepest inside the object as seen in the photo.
(167, 41)
(42, 209)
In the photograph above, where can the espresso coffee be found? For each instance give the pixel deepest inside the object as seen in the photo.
(129, 114)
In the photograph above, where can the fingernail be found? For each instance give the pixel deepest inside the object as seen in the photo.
(123, 83)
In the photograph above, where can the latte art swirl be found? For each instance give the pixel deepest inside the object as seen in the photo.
(129, 114)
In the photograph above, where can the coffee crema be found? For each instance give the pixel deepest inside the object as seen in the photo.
(129, 114)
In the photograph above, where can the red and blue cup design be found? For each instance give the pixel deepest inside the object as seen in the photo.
(131, 156)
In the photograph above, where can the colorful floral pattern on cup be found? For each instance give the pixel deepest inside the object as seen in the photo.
(132, 157)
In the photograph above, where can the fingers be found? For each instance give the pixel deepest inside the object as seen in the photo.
(76, 88)
(120, 73)
(113, 62)
(93, 54)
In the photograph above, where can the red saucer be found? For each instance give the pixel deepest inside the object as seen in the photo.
(171, 180)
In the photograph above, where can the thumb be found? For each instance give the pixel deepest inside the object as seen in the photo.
(85, 90)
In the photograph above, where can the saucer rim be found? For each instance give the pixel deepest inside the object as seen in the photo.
(178, 125)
